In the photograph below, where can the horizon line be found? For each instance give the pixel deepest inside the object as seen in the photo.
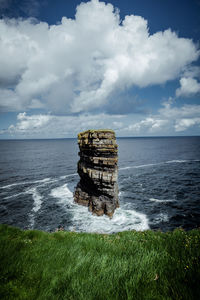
(118, 137)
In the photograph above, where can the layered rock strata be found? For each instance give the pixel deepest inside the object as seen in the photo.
(98, 172)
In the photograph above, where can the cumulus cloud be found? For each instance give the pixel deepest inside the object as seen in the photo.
(75, 66)
(50, 126)
(169, 119)
(181, 118)
(192, 71)
(188, 87)
(183, 124)
(148, 125)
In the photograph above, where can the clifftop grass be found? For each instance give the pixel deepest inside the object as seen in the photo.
(128, 265)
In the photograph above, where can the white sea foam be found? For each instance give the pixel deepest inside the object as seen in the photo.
(178, 161)
(11, 185)
(140, 166)
(161, 200)
(162, 217)
(68, 175)
(45, 180)
(157, 164)
(84, 221)
(63, 194)
(37, 198)
(14, 195)
(37, 202)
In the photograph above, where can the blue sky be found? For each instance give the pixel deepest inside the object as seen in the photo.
(67, 66)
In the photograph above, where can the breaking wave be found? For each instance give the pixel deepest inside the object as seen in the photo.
(84, 221)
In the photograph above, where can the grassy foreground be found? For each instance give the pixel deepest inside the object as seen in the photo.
(128, 265)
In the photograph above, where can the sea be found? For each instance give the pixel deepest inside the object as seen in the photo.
(158, 178)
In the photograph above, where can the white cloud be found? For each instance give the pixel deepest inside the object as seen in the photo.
(148, 125)
(33, 122)
(192, 71)
(184, 124)
(76, 65)
(188, 87)
(49, 126)
(168, 120)
(182, 118)
(9, 101)
(185, 111)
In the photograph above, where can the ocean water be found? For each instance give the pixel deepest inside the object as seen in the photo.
(159, 185)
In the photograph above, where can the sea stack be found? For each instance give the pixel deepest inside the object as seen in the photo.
(98, 172)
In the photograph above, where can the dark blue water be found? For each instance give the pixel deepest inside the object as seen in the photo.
(159, 185)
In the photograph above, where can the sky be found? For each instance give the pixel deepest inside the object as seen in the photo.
(68, 66)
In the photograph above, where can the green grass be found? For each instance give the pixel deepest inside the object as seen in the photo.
(128, 265)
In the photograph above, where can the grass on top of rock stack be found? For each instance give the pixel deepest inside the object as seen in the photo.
(127, 265)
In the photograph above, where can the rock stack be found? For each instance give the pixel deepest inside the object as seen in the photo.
(97, 168)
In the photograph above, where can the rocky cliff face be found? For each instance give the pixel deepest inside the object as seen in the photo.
(98, 172)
